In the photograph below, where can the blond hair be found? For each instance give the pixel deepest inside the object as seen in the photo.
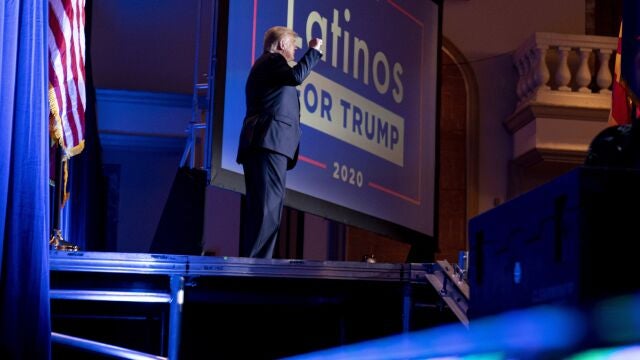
(273, 36)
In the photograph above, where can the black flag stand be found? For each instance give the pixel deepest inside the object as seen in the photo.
(57, 242)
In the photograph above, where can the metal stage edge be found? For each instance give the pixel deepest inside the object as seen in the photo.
(177, 272)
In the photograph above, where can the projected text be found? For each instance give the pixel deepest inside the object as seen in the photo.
(345, 115)
(356, 51)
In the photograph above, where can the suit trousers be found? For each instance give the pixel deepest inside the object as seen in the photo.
(265, 174)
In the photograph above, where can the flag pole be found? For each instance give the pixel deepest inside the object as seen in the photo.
(69, 27)
(57, 242)
(635, 136)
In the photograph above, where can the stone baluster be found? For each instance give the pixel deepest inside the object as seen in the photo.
(522, 80)
(521, 90)
(542, 73)
(583, 76)
(531, 74)
(603, 78)
(563, 74)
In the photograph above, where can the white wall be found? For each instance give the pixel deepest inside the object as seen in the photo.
(486, 32)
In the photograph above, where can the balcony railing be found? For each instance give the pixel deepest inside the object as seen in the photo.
(564, 97)
(562, 69)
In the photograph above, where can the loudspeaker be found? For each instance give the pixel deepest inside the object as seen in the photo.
(181, 224)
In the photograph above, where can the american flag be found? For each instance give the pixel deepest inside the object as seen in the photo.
(620, 102)
(67, 94)
(631, 45)
(626, 85)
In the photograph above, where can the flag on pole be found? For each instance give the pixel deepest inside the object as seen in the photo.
(631, 45)
(620, 104)
(626, 85)
(67, 93)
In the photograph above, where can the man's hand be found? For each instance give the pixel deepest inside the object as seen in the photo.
(315, 43)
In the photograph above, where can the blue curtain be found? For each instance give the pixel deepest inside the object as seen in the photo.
(25, 331)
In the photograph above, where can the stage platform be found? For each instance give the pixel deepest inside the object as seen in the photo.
(177, 306)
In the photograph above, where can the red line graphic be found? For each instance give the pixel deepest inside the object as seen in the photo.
(405, 12)
(312, 162)
(391, 192)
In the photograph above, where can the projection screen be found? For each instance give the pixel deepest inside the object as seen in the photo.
(369, 110)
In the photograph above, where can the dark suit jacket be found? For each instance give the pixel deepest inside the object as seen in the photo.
(273, 108)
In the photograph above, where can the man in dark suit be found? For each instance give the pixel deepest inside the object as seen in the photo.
(270, 136)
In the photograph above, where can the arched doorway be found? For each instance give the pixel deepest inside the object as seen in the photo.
(458, 144)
